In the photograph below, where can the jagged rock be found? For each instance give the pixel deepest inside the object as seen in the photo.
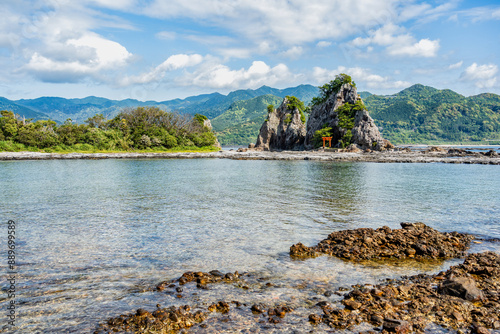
(283, 130)
(365, 133)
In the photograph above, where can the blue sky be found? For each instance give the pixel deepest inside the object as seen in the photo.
(165, 49)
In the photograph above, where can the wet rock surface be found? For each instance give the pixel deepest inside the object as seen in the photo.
(464, 298)
(413, 240)
(201, 279)
(162, 320)
(410, 304)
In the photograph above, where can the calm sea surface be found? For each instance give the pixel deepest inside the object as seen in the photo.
(94, 236)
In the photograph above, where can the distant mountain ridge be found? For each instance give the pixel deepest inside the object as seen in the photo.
(421, 114)
(417, 114)
(211, 105)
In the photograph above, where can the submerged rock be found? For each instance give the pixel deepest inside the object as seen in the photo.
(413, 240)
(410, 304)
(162, 320)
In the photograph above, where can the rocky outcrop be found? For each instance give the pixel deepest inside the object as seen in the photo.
(208, 124)
(365, 133)
(413, 240)
(284, 129)
(410, 304)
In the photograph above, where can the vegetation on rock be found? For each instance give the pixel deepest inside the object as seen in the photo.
(142, 128)
(296, 103)
(332, 88)
(318, 135)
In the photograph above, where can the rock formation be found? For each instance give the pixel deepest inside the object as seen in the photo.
(339, 113)
(208, 124)
(284, 129)
(365, 133)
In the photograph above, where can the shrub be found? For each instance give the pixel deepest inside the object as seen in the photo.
(332, 87)
(318, 135)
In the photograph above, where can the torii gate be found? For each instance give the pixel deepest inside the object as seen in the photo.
(329, 139)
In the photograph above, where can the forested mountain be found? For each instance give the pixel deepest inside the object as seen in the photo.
(78, 110)
(418, 114)
(421, 114)
(241, 122)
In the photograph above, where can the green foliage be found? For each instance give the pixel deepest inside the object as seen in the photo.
(270, 108)
(288, 119)
(332, 87)
(295, 103)
(346, 114)
(318, 135)
(143, 128)
(240, 124)
(421, 114)
(200, 118)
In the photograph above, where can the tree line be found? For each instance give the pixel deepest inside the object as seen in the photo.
(142, 128)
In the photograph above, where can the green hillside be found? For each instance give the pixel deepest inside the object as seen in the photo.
(241, 123)
(422, 114)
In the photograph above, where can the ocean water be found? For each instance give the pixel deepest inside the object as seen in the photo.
(95, 236)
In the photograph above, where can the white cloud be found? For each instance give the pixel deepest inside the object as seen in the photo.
(483, 76)
(172, 63)
(114, 4)
(359, 75)
(293, 52)
(484, 13)
(219, 76)
(456, 65)
(398, 42)
(286, 22)
(323, 44)
(423, 48)
(88, 55)
(166, 35)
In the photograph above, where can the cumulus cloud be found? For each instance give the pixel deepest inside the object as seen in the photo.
(423, 48)
(219, 76)
(483, 76)
(398, 42)
(293, 52)
(172, 63)
(456, 65)
(88, 55)
(358, 74)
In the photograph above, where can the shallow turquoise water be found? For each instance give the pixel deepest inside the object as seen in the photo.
(95, 234)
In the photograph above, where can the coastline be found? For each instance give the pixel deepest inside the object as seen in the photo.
(401, 156)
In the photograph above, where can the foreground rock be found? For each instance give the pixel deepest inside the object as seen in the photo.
(413, 240)
(201, 279)
(162, 320)
(464, 297)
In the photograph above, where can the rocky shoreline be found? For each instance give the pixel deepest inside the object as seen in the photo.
(403, 155)
(463, 299)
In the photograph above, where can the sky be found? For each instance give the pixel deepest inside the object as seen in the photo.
(165, 49)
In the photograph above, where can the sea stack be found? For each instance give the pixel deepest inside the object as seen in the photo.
(284, 128)
(340, 114)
